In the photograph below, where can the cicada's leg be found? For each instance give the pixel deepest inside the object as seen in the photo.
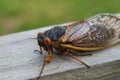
(47, 59)
(79, 53)
(75, 58)
(39, 51)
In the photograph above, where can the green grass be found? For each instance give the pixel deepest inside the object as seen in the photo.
(20, 15)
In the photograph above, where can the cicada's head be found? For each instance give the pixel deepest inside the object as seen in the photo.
(43, 40)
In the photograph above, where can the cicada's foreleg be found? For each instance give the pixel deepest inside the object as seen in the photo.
(79, 53)
(75, 58)
(39, 51)
(47, 59)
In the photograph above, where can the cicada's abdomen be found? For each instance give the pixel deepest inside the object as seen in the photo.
(110, 29)
(97, 31)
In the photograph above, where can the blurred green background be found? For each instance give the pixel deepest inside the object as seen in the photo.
(20, 15)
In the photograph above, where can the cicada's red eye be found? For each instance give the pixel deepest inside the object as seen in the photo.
(47, 41)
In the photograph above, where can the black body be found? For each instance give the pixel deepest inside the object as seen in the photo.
(53, 34)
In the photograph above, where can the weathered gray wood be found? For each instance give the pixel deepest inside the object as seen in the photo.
(19, 62)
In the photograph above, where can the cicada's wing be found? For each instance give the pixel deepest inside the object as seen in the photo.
(95, 33)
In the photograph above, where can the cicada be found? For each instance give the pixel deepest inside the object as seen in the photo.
(91, 34)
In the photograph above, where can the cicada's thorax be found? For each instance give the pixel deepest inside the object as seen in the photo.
(55, 33)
